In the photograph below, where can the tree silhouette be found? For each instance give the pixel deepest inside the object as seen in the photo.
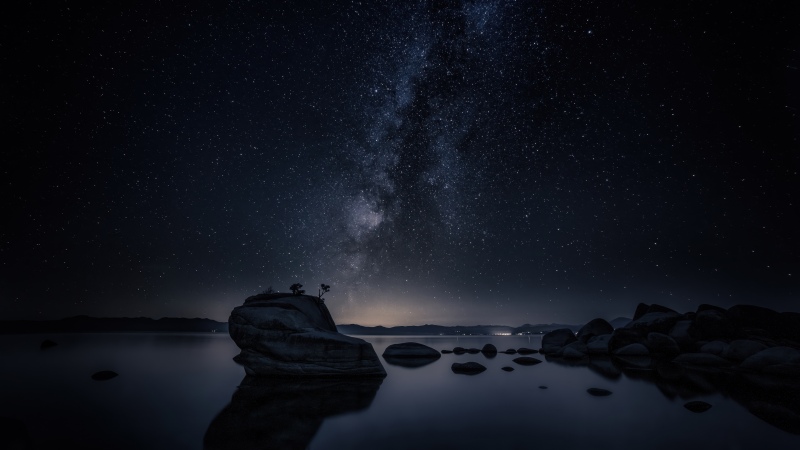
(323, 288)
(296, 289)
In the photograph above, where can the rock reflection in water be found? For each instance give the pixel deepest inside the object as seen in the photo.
(285, 413)
(775, 400)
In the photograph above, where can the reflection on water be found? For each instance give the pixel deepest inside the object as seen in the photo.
(776, 400)
(172, 391)
(285, 414)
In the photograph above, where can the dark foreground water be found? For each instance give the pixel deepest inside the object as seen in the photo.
(179, 391)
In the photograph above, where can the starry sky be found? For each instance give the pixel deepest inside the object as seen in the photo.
(439, 161)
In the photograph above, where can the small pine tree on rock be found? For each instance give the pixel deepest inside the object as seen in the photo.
(296, 289)
(323, 288)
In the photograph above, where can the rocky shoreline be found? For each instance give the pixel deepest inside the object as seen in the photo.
(743, 338)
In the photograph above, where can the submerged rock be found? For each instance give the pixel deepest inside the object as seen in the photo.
(104, 375)
(507, 369)
(697, 406)
(527, 361)
(294, 335)
(597, 392)
(468, 368)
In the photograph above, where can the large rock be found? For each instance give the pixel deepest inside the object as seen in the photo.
(775, 360)
(598, 345)
(660, 343)
(742, 349)
(711, 324)
(574, 350)
(553, 341)
(595, 327)
(714, 347)
(632, 350)
(294, 335)
(410, 354)
(659, 322)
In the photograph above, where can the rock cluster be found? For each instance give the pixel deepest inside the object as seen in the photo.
(743, 338)
(294, 335)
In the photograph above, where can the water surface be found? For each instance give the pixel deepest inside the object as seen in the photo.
(175, 390)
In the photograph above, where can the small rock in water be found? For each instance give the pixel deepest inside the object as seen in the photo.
(468, 368)
(104, 375)
(697, 406)
(597, 392)
(527, 361)
(473, 351)
(489, 350)
(507, 369)
(511, 351)
(459, 350)
(542, 387)
(444, 352)
(47, 343)
(526, 351)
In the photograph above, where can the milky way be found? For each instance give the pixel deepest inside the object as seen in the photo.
(433, 161)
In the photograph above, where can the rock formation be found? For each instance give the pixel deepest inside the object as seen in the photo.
(744, 338)
(294, 335)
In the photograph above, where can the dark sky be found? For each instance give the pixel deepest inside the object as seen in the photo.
(452, 162)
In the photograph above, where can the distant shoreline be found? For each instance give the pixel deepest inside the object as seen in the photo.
(86, 324)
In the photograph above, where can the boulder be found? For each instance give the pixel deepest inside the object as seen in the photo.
(660, 343)
(410, 350)
(643, 308)
(701, 359)
(595, 327)
(489, 350)
(742, 349)
(598, 345)
(776, 360)
(660, 322)
(624, 336)
(294, 335)
(711, 324)
(556, 339)
(632, 350)
(751, 316)
(468, 368)
(680, 333)
(575, 350)
(410, 354)
(714, 347)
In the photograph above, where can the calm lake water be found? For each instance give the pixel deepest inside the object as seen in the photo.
(176, 391)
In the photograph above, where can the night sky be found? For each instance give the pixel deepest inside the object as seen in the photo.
(450, 162)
